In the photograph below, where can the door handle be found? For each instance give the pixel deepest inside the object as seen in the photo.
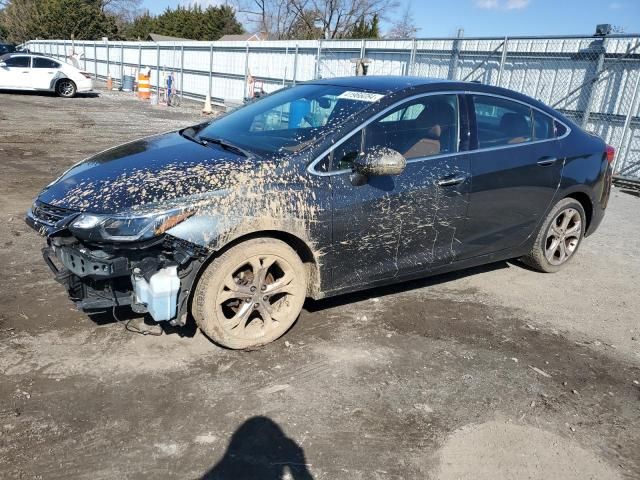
(450, 181)
(545, 161)
(26, 71)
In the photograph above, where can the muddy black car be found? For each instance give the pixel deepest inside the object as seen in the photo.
(316, 190)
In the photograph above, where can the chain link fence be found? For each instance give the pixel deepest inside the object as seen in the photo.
(593, 80)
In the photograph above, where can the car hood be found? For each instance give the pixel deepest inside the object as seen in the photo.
(153, 170)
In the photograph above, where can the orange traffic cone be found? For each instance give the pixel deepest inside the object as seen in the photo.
(109, 83)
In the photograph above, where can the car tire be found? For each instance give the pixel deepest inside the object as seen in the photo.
(251, 294)
(66, 88)
(559, 237)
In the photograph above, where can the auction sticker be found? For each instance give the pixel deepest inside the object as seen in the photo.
(360, 96)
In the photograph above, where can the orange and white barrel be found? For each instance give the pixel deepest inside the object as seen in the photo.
(144, 86)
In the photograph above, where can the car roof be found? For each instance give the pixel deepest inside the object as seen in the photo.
(27, 54)
(16, 54)
(389, 84)
(380, 83)
(396, 83)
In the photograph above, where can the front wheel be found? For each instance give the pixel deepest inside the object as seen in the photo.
(66, 88)
(559, 237)
(251, 294)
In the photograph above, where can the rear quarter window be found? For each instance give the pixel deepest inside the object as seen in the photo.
(561, 130)
(543, 126)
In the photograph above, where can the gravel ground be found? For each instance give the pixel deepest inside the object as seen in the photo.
(496, 372)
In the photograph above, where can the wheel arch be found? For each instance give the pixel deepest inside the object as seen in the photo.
(310, 260)
(57, 81)
(587, 204)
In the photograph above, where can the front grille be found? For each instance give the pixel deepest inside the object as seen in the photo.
(49, 214)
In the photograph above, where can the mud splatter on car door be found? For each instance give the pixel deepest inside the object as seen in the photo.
(396, 224)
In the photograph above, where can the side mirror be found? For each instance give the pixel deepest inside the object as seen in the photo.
(377, 161)
(2, 64)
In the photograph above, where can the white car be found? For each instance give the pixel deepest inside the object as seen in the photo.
(20, 71)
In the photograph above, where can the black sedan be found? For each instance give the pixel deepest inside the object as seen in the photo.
(319, 189)
(7, 48)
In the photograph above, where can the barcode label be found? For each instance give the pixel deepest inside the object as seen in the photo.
(361, 96)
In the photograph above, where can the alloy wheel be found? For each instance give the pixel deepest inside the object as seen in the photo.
(257, 296)
(66, 88)
(563, 236)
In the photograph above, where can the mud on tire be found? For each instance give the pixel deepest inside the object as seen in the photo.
(251, 294)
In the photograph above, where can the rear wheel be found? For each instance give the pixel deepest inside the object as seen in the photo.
(251, 294)
(559, 237)
(66, 88)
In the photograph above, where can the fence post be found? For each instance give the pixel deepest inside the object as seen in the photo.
(210, 67)
(108, 65)
(316, 74)
(626, 130)
(246, 70)
(95, 60)
(181, 71)
(121, 64)
(412, 58)
(591, 96)
(453, 67)
(503, 58)
(158, 73)
(295, 65)
(286, 61)
(139, 59)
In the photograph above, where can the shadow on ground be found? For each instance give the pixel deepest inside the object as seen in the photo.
(260, 449)
(31, 93)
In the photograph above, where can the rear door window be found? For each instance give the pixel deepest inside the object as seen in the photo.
(501, 122)
(45, 63)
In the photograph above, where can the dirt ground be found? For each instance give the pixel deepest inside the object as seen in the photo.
(493, 373)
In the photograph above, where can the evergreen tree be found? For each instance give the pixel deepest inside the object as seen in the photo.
(4, 33)
(23, 20)
(84, 19)
(140, 28)
(364, 29)
(80, 19)
(186, 22)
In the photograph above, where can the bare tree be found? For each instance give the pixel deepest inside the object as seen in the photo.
(123, 10)
(311, 18)
(404, 27)
(274, 17)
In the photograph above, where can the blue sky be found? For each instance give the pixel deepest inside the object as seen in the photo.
(501, 17)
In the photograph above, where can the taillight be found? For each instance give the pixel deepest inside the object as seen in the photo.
(610, 152)
(86, 74)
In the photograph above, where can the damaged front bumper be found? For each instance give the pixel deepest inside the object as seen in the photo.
(154, 276)
(155, 280)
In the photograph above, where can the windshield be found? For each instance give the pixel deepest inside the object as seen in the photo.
(290, 119)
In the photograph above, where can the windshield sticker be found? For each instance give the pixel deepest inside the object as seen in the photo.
(361, 96)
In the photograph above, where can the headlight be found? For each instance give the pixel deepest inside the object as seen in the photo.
(124, 228)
